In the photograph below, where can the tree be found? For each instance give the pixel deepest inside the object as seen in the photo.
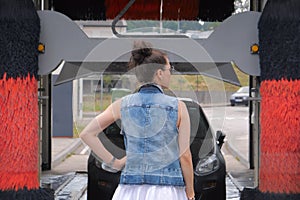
(241, 6)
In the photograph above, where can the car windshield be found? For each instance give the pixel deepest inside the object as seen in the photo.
(243, 90)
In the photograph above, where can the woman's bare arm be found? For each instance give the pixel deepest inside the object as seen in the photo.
(97, 125)
(184, 147)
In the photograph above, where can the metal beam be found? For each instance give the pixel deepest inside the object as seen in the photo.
(230, 42)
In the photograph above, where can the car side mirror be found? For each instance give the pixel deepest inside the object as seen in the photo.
(220, 138)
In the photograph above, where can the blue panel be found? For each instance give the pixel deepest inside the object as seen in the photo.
(62, 120)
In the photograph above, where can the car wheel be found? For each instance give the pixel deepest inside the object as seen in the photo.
(232, 104)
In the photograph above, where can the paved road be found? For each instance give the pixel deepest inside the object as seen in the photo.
(233, 121)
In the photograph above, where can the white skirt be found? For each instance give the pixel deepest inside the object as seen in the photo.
(149, 192)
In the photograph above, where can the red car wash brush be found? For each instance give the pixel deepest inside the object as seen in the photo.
(279, 41)
(19, 139)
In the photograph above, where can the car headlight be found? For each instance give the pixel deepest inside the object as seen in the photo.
(245, 98)
(207, 165)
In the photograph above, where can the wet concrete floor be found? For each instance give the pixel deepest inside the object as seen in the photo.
(72, 186)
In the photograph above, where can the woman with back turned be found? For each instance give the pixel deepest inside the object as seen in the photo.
(156, 130)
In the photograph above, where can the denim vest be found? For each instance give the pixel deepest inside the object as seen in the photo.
(149, 120)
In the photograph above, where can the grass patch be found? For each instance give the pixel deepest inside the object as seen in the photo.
(92, 103)
(204, 83)
(77, 129)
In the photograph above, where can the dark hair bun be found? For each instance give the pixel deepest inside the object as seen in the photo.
(141, 50)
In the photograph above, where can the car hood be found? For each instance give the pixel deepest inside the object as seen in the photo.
(240, 95)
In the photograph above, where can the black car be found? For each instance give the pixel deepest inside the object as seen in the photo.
(208, 161)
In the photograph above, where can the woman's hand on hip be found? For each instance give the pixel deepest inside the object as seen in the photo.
(119, 164)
